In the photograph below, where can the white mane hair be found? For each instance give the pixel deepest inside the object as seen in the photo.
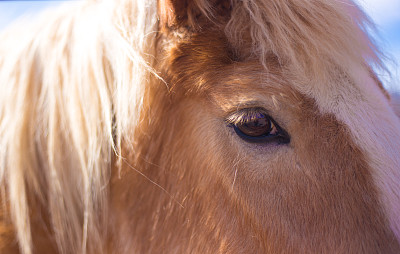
(72, 87)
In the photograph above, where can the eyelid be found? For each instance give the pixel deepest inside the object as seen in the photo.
(237, 117)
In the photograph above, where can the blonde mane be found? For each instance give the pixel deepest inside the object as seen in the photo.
(73, 87)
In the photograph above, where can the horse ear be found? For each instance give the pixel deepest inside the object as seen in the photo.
(190, 13)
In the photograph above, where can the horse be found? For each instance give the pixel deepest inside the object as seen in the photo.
(197, 126)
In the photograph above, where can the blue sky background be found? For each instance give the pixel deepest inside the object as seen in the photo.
(385, 13)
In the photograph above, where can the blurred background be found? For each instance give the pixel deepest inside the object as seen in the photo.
(385, 13)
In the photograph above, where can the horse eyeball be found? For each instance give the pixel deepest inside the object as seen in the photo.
(254, 125)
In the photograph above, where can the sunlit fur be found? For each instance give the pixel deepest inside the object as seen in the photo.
(113, 136)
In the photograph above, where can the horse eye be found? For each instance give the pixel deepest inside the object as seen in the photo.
(255, 126)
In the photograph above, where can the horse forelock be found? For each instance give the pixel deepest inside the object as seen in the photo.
(67, 83)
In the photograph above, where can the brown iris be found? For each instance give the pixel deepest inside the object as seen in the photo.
(256, 126)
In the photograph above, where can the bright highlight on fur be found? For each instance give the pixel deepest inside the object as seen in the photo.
(114, 134)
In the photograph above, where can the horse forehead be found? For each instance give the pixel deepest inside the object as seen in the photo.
(357, 101)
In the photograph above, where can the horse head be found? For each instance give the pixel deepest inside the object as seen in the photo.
(204, 126)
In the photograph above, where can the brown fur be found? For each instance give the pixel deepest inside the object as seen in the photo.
(290, 205)
(276, 205)
(181, 180)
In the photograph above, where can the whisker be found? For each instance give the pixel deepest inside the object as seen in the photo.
(236, 170)
(153, 182)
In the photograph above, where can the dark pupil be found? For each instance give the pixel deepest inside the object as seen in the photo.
(255, 125)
